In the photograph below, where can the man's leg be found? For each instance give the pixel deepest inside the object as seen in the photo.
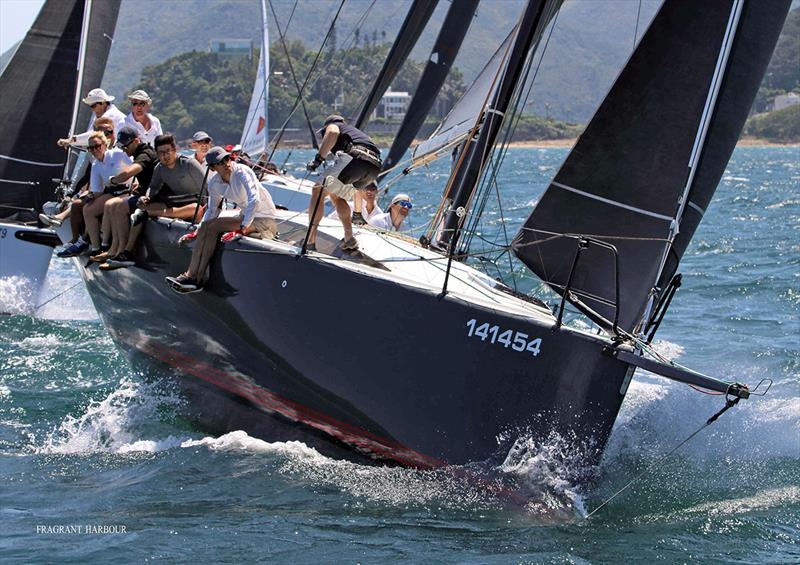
(91, 213)
(206, 243)
(76, 219)
(344, 213)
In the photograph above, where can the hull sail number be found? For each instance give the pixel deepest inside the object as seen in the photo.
(518, 341)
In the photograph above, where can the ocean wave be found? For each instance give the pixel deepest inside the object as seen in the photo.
(113, 424)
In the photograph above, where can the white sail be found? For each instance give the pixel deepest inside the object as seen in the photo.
(255, 135)
(461, 118)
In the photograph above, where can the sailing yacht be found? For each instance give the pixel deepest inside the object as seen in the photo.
(65, 49)
(452, 363)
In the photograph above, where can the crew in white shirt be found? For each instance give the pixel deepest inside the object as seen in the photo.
(393, 219)
(108, 162)
(237, 184)
(146, 124)
(369, 204)
(101, 106)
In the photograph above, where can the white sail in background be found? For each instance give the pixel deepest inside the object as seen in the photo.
(255, 135)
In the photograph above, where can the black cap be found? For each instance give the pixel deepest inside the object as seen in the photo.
(215, 155)
(332, 119)
(126, 135)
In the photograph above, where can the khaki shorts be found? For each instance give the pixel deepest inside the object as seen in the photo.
(265, 228)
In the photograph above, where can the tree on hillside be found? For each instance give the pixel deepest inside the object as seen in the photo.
(201, 90)
(209, 91)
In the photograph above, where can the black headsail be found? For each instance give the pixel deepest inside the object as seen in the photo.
(444, 52)
(35, 111)
(623, 181)
(416, 19)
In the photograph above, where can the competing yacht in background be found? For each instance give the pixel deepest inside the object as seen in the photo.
(65, 51)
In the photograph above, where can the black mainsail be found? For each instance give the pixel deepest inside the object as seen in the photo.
(623, 181)
(444, 52)
(416, 19)
(34, 114)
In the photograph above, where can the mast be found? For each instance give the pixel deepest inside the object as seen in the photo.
(444, 52)
(87, 12)
(265, 68)
(415, 22)
(475, 152)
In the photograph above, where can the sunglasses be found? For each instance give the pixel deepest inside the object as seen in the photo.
(404, 204)
(138, 103)
(95, 104)
(93, 146)
(107, 132)
(204, 141)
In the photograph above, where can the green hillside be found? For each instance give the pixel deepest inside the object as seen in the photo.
(590, 42)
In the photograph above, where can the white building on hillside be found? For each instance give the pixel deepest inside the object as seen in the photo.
(785, 100)
(393, 105)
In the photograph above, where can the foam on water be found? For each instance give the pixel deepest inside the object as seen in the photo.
(113, 423)
(64, 296)
(16, 295)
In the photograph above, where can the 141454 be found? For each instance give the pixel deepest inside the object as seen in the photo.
(518, 341)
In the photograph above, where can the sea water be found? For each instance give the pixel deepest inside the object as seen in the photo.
(96, 463)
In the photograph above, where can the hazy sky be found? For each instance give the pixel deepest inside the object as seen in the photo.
(16, 17)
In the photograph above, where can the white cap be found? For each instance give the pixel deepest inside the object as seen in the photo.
(97, 95)
(400, 197)
(139, 95)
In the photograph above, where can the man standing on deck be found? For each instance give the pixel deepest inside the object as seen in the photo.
(357, 162)
(201, 143)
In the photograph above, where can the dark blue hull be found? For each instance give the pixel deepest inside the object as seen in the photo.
(289, 347)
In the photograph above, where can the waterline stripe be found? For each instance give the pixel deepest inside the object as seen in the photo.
(613, 202)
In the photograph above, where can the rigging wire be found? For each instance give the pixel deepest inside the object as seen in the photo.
(729, 403)
(279, 135)
(282, 37)
(496, 163)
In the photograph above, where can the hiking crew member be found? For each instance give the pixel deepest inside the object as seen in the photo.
(201, 143)
(357, 162)
(101, 106)
(237, 184)
(108, 162)
(146, 124)
(116, 214)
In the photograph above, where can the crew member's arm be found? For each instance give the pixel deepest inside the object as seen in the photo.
(127, 173)
(251, 185)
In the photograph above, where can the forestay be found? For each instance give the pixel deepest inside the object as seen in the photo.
(624, 178)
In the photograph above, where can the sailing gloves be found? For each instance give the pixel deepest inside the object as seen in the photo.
(314, 165)
(358, 219)
(187, 238)
(227, 237)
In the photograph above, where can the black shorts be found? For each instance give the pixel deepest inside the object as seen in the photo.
(358, 172)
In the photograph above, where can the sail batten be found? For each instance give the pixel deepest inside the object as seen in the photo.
(645, 145)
